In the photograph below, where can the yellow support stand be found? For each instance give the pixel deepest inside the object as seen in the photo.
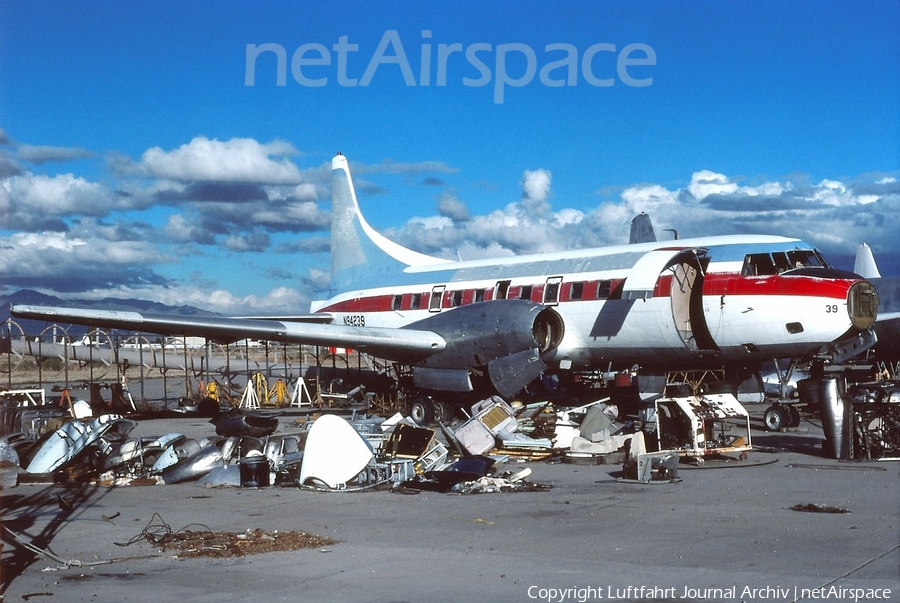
(280, 393)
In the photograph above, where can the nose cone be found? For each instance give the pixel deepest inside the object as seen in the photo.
(862, 304)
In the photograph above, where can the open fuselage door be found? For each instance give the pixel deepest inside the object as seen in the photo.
(678, 273)
(687, 302)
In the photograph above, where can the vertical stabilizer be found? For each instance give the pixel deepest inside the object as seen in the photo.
(361, 257)
(865, 263)
(642, 230)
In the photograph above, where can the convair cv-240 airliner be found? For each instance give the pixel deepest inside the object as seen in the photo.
(496, 325)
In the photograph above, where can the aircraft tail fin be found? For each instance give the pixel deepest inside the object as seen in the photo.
(865, 263)
(642, 230)
(360, 256)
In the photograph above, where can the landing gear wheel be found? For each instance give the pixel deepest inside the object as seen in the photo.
(443, 412)
(422, 411)
(795, 416)
(775, 418)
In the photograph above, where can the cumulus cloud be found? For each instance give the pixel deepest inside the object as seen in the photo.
(707, 183)
(536, 191)
(449, 206)
(836, 216)
(33, 201)
(72, 264)
(519, 227)
(238, 160)
(9, 166)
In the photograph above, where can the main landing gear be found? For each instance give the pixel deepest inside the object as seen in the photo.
(425, 411)
(781, 416)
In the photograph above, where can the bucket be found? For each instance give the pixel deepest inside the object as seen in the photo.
(254, 471)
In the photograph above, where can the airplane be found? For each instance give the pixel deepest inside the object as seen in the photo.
(467, 328)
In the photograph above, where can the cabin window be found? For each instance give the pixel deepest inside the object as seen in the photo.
(416, 303)
(396, 303)
(502, 289)
(456, 299)
(576, 292)
(604, 288)
(479, 295)
(525, 292)
(551, 290)
(437, 296)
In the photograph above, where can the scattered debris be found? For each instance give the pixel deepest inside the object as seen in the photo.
(237, 422)
(335, 453)
(875, 420)
(814, 508)
(187, 543)
(699, 426)
(645, 467)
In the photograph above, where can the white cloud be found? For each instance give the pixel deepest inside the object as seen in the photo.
(29, 198)
(536, 190)
(67, 263)
(241, 160)
(705, 183)
(451, 207)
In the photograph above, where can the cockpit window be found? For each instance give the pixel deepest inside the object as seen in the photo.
(764, 264)
(758, 264)
(804, 258)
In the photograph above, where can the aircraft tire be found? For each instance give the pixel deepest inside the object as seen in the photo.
(422, 411)
(775, 418)
(794, 415)
(443, 412)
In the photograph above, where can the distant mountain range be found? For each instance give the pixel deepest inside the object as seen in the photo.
(34, 298)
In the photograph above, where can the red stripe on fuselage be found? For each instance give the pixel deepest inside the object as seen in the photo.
(802, 286)
(713, 284)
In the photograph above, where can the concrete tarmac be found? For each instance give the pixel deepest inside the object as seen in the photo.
(725, 532)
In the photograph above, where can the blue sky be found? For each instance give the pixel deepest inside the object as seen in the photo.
(136, 161)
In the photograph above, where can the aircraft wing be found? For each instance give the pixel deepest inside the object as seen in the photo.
(385, 342)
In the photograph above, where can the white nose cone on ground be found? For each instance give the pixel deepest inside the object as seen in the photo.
(334, 454)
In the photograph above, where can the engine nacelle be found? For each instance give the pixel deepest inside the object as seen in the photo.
(506, 337)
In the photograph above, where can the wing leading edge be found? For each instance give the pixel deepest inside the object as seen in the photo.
(401, 344)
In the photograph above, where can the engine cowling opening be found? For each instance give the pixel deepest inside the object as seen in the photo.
(862, 304)
(507, 337)
(548, 330)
